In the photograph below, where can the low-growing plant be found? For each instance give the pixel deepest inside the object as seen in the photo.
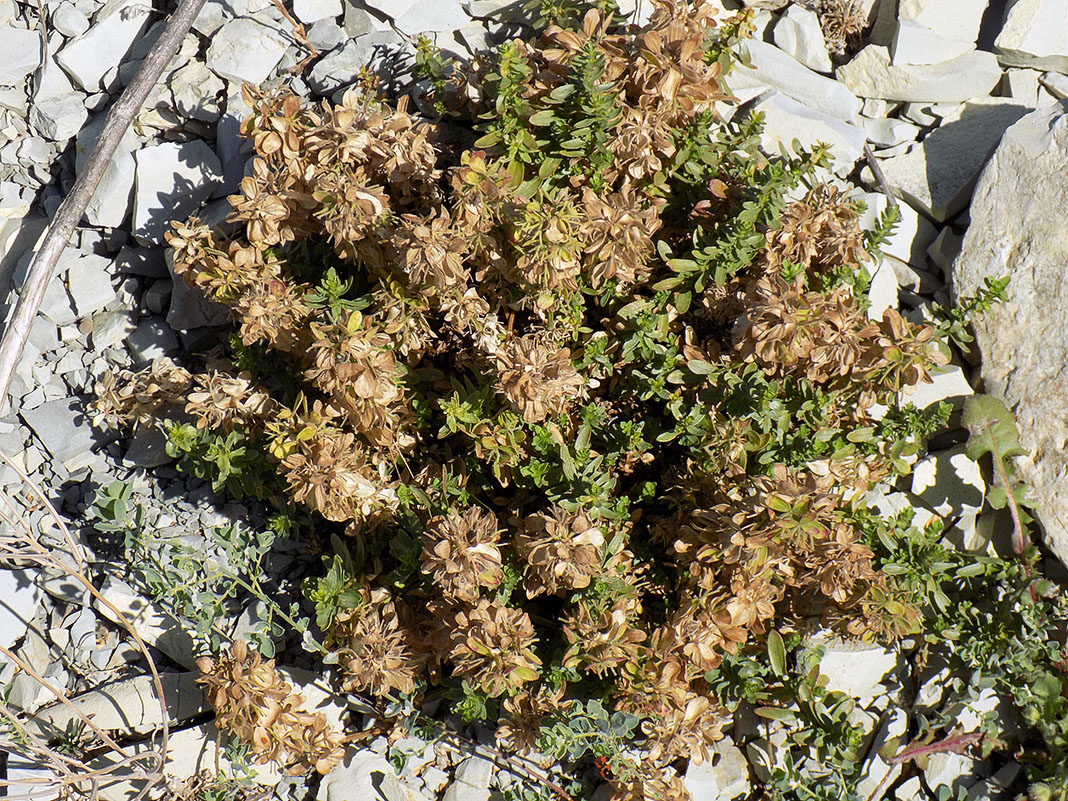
(582, 417)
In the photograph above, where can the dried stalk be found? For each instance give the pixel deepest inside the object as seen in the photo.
(73, 206)
(69, 774)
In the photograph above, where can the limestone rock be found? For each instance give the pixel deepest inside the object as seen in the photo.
(798, 34)
(856, 669)
(128, 705)
(153, 625)
(877, 772)
(68, 19)
(170, 181)
(938, 176)
(1056, 84)
(357, 777)
(772, 67)
(475, 771)
(62, 426)
(962, 17)
(189, 308)
(192, 751)
(22, 54)
(441, 15)
(88, 58)
(889, 132)
(786, 119)
(723, 777)
(152, 339)
(309, 11)
(883, 291)
(244, 50)
(195, 90)
(870, 74)
(19, 597)
(111, 200)
(1035, 34)
(910, 238)
(1018, 229)
(948, 383)
(951, 484)
(342, 67)
(918, 44)
(59, 118)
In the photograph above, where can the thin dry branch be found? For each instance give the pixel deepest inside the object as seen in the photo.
(20, 545)
(70, 211)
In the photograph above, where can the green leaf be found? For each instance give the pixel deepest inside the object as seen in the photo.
(700, 367)
(542, 118)
(991, 428)
(775, 713)
(777, 653)
(1046, 687)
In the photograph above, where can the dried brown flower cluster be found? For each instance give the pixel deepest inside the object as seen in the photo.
(523, 384)
(260, 708)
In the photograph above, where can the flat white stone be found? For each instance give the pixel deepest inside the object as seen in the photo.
(195, 90)
(961, 17)
(911, 236)
(945, 769)
(89, 283)
(798, 34)
(883, 291)
(113, 196)
(51, 81)
(889, 132)
(951, 484)
(127, 705)
(938, 176)
(56, 305)
(877, 772)
(723, 777)
(309, 11)
(772, 67)
(325, 35)
(22, 54)
(59, 118)
(170, 181)
(860, 671)
(917, 44)
(876, 107)
(785, 120)
(341, 67)
(63, 427)
(190, 752)
(28, 778)
(1056, 83)
(69, 20)
(1023, 85)
(88, 58)
(152, 339)
(154, 626)
(945, 249)
(441, 15)
(244, 50)
(357, 777)
(19, 598)
(1035, 34)
(870, 74)
(948, 384)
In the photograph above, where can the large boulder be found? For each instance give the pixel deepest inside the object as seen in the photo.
(1017, 228)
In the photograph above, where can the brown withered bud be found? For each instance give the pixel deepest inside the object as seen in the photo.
(461, 553)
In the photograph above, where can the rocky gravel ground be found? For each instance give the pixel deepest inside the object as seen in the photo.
(933, 90)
